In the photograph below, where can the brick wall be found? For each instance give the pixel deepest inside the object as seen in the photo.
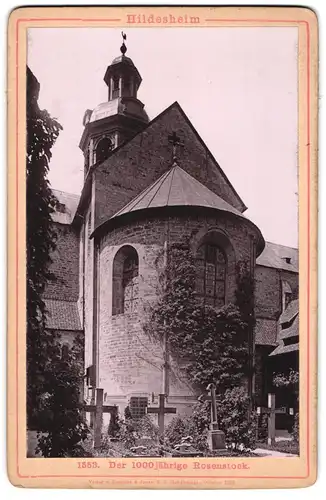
(64, 265)
(141, 161)
(129, 361)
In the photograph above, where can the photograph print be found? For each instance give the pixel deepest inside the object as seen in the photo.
(162, 242)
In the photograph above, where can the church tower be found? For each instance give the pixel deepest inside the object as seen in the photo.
(118, 119)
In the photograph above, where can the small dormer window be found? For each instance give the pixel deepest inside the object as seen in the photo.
(287, 299)
(287, 260)
(286, 295)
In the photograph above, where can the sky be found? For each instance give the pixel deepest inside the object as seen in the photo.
(238, 86)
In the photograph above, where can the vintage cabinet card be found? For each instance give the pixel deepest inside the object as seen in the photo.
(162, 170)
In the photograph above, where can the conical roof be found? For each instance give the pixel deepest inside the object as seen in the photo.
(177, 188)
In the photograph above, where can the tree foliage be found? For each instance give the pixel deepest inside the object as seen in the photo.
(290, 379)
(237, 420)
(53, 381)
(234, 419)
(60, 418)
(212, 345)
(42, 132)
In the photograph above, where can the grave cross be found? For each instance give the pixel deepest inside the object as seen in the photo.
(176, 141)
(98, 409)
(216, 436)
(161, 410)
(272, 411)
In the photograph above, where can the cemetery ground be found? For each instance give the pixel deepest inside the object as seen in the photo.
(183, 437)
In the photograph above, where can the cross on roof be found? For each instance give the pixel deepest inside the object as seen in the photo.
(176, 141)
(161, 410)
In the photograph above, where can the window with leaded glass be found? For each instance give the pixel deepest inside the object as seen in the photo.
(130, 283)
(211, 274)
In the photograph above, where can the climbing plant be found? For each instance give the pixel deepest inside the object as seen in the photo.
(211, 344)
(42, 132)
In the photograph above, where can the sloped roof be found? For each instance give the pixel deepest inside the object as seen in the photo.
(291, 316)
(62, 315)
(274, 255)
(283, 349)
(265, 332)
(177, 188)
(291, 311)
(69, 203)
(138, 139)
(291, 331)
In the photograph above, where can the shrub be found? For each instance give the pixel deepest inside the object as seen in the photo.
(236, 420)
(295, 430)
(132, 430)
(175, 431)
(114, 425)
(194, 427)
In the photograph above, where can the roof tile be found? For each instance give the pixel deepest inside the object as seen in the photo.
(62, 315)
(177, 188)
(69, 202)
(282, 349)
(265, 332)
(275, 255)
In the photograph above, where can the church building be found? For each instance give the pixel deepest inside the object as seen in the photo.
(147, 184)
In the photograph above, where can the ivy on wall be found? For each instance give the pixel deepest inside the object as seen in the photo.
(211, 344)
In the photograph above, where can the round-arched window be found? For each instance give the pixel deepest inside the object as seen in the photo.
(211, 274)
(125, 281)
(103, 149)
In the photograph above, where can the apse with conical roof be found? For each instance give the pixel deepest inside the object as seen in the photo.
(118, 119)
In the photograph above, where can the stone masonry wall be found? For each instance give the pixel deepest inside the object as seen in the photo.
(129, 361)
(268, 291)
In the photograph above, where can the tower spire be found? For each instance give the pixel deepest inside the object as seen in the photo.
(123, 48)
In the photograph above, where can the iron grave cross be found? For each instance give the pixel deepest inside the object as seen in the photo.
(176, 141)
(161, 411)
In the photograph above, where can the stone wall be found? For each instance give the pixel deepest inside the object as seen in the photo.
(268, 290)
(130, 362)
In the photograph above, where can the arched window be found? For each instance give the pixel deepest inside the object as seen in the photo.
(130, 283)
(211, 274)
(286, 295)
(103, 149)
(125, 281)
(126, 87)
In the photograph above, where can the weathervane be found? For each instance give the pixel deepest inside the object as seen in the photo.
(123, 48)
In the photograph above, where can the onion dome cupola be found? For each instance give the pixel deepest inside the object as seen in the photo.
(118, 119)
